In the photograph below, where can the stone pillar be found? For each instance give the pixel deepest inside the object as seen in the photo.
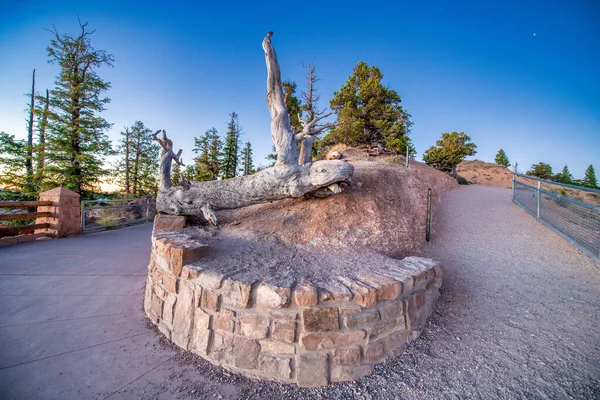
(66, 218)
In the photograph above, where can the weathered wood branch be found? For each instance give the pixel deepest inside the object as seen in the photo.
(288, 178)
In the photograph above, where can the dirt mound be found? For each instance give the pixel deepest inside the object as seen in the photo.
(384, 209)
(486, 174)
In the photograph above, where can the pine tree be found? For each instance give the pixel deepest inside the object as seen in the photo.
(13, 172)
(449, 152)
(175, 174)
(293, 105)
(229, 165)
(40, 150)
(502, 159)
(565, 176)
(136, 169)
(589, 180)
(76, 142)
(368, 112)
(209, 149)
(541, 170)
(247, 164)
(29, 157)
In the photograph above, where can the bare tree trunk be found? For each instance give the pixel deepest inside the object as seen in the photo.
(286, 179)
(127, 144)
(136, 165)
(29, 160)
(41, 158)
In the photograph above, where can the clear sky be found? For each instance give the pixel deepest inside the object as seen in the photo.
(519, 75)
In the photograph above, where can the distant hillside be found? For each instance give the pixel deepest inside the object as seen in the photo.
(489, 174)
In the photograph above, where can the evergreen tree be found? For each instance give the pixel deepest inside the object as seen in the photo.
(589, 180)
(565, 176)
(40, 150)
(175, 174)
(293, 105)
(76, 142)
(540, 170)
(247, 164)
(13, 172)
(449, 152)
(209, 149)
(29, 157)
(136, 170)
(368, 112)
(502, 159)
(229, 165)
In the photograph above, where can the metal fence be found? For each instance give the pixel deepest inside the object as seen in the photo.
(107, 214)
(574, 220)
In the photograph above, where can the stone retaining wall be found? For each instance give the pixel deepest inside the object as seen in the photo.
(310, 334)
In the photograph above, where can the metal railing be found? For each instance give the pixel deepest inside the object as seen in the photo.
(107, 214)
(574, 220)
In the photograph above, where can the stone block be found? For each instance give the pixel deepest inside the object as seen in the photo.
(160, 292)
(201, 333)
(184, 312)
(373, 352)
(387, 288)
(236, 294)
(169, 282)
(210, 279)
(168, 309)
(284, 330)
(391, 310)
(362, 319)
(164, 329)
(364, 295)
(221, 348)
(384, 328)
(276, 347)
(168, 223)
(321, 319)
(253, 326)
(305, 294)
(350, 308)
(403, 276)
(349, 373)
(223, 321)
(180, 250)
(189, 272)
(245, 352)
(157, 306)
(209, 300)
(320, 341)
(311, 370)
(346, 356)
(276, 367)
(270, 296)
(394, 340)
(334, 291)
(417, 309)
(66, 218)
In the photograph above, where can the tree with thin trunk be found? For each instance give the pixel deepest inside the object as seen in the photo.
(230, 161)
(247, 164)
(589, 179)
(41, 146)
(135, 170)
(29, 158)
(502, 159)
(209, 149)
(76, 140)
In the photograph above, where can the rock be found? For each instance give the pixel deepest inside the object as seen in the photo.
(252, 326)
(349, 373)
(346, 356)
(276, 367)
(284, 330)
(305, 294)
(311, 370)
(245, 352)
(320, 341)
(168, 223)
(335, 155)
(276, 347)
(321, 319)
(270, 296)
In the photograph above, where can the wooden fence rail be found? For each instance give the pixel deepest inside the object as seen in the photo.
(24, 233)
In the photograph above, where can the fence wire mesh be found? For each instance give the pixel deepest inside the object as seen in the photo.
(578, 222)
(106, 214)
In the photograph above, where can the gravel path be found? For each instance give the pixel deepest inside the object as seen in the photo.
(518, 318)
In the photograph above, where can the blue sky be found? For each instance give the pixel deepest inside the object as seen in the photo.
(517, 75)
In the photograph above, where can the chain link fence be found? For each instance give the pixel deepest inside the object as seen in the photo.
(107, 214)
(576, 221)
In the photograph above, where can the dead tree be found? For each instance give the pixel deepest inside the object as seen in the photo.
(288, 178)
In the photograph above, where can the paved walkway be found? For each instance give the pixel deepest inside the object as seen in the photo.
(518, 317)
